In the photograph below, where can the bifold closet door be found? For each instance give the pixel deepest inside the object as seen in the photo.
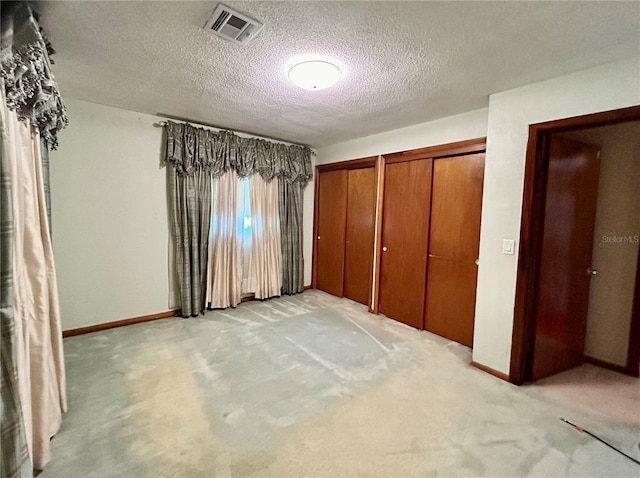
(361, 205)
(331, 224)
(405, 226)
(456, 205)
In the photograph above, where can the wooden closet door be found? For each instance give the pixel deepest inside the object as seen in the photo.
(456, 205)
(332, 214)
(405, 224)
(361, 204)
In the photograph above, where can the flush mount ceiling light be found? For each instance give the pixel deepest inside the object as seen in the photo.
(314, 74)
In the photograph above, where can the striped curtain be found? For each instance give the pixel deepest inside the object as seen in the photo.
(44, 156)
(290, 210)
(14, 450)
(190, 215)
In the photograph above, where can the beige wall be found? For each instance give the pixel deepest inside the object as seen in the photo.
(109, 216)
(615, 245)
(447, 130)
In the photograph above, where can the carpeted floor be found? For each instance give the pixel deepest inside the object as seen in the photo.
(312, 385)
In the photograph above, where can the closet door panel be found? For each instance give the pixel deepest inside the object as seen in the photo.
(332, 211)
(406, 210)
(456, 206)
(361, 201)
(451, 289)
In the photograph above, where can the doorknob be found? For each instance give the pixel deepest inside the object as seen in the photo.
(477, 262)
(384, 249)
(591, 272)
(318, 237)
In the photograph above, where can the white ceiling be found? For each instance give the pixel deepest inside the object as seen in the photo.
(408, 62)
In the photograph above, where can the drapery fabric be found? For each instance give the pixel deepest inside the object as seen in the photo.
(191, 151)
(226, 246)
(33, 376)
(30, 88)
(40, 362)
(190, 213)
(44, 153)
(14, 453)
(290, 210)
(265, 231)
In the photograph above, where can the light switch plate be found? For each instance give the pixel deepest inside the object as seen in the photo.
(508, 246)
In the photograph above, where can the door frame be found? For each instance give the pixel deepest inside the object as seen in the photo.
(533, 202)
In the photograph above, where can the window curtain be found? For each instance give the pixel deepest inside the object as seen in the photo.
(44, 153)
(266, 254)
(290, 209)
(285, 168)
(33, 375)
(16, 461)
(190, 203)
(40, 361)
(226, 247)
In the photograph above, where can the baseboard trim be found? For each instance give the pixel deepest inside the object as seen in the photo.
(610, 366)
(490, 371)
(137, 320)
(119, 323)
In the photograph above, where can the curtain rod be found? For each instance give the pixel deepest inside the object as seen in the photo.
(162, 124)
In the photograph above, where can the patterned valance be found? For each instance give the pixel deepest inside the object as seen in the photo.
(30, 88)
(190, 149)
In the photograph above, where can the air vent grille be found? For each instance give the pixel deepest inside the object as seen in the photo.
(232, 25)
(223, 16)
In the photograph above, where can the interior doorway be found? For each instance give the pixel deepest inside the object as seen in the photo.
(577, 295)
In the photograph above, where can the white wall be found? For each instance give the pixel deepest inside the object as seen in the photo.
(110, 227)
(615, 259)
(109, 216)
(611, 86)
(447, 130)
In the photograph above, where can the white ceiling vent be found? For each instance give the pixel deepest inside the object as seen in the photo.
(232, 25)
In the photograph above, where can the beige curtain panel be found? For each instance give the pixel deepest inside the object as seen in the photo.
(265, 233)
(33, 377)
(39, 356)
(225, 271)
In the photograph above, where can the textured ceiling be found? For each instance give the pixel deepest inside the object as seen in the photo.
(408, 62)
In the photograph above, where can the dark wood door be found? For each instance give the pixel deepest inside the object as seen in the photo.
(332, 214)
(454, 238)
(567, 245)
(361, 204)
(405, 224)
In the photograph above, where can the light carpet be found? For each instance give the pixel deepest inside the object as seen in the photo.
(313, 385)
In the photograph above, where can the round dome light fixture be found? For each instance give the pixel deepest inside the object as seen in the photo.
(315, 75)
